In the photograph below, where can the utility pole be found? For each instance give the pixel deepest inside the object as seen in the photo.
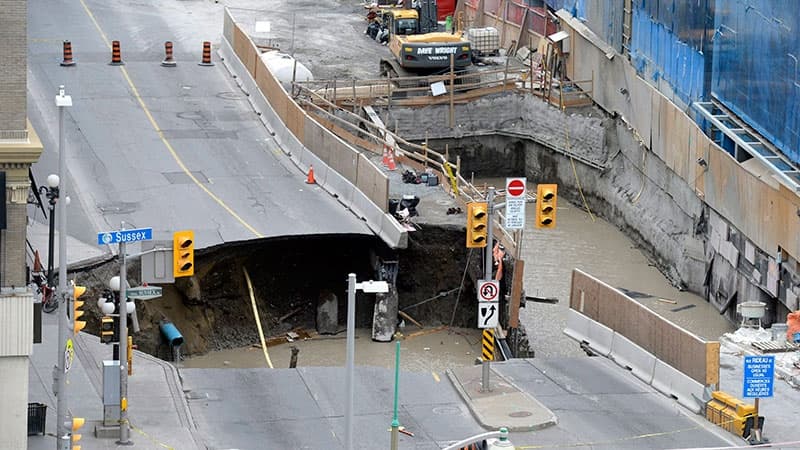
(124, 430)
(487, 273)
(62, 297)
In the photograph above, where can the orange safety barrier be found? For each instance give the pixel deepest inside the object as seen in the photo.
(206, 55)
(116, 54)
(67, 61)
(168, 61)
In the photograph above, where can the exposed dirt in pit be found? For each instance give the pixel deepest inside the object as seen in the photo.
(213, 311)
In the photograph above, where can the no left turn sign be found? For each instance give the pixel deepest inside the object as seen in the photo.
(488, 291)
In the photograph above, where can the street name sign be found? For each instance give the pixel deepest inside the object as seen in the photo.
(759, 375)
(515, 203)
(143, 292)
(124, 236)
(488, 291)
(487, 314)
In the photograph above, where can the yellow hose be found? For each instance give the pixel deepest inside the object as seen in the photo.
(575, 172)
(258, 319)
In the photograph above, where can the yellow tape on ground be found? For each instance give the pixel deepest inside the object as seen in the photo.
(151, 438)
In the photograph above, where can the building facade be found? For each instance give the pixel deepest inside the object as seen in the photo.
(19, 148)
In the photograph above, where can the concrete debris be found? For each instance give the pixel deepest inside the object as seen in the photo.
(327, 313)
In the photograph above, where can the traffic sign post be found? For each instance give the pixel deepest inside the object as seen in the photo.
(759, 378)
(123, 237)
(515, 203)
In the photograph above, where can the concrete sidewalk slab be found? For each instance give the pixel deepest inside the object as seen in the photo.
(158, 412)
(504, 405)
(78, 253)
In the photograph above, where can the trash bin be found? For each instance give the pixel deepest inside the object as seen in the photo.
(37, 416)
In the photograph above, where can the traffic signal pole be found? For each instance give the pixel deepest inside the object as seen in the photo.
(124, 430)
(487, 273)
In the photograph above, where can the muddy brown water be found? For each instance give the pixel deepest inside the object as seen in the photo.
(602, 250)
(578, 241)
(433, 352)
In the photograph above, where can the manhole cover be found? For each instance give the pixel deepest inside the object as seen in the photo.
(446, 410)
(520, 414)
(230, 95)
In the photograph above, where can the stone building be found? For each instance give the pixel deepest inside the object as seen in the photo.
(19, 148)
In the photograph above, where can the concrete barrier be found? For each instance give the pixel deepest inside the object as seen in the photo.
(584, 329)
(685, 390)
(632, 357)
(600, 338)
(577, 325)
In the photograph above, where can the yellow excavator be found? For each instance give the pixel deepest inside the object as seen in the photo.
(416, 45)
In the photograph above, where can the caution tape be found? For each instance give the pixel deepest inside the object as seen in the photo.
(151, 438)
(614, 441)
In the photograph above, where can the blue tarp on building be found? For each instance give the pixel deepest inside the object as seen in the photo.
(667, 43)
(755, 67)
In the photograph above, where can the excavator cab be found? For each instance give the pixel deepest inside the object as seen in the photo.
(402, 22)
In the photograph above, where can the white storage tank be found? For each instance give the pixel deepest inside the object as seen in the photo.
(282, 66)
(485, 41)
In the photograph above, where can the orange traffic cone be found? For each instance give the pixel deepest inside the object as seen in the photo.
(310, 179)
(169, 60)
(206, 61)
(68, 61)
(390, 160)
(116, 54)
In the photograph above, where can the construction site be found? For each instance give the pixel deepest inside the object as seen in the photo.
(677, 195)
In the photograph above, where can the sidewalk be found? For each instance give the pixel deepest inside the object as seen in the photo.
(158, 412)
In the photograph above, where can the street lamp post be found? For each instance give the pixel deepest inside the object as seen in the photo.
(370, 287)
(62, 436)
(51, 192)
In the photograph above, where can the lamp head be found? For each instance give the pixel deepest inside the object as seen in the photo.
(113, 283)
(53, 180)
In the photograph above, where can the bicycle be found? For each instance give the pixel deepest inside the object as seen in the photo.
(47, 292)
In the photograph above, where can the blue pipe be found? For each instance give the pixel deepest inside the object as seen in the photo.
(174, 337)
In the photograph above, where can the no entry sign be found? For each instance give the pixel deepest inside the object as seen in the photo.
(515, 187)
(515, 203)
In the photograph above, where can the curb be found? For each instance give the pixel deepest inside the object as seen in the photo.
(482, 420)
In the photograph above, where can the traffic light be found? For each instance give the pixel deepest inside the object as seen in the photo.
(107, 330)
(77, 291)
(183, 253)
(477, 224)
(77, 422)
(546, 195)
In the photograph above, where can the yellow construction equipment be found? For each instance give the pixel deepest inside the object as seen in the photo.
(418, 48)
(732, 414)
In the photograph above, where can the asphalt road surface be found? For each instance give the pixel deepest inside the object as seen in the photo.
(167, 148)
(597, 404)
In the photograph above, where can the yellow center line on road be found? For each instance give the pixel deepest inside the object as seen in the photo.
(161, 133)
